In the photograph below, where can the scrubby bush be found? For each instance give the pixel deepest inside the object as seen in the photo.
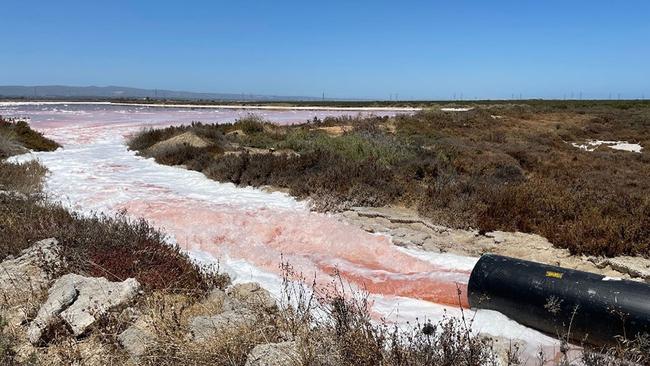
(9, 147)
(252, 124)
(318, 175)
(20, 133)
(23, 178)
(149, 137)
(502, 167)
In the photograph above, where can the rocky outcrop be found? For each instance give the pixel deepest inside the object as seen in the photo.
(31, 271)
(407, 229)
(79, 301)
(233, 309)
(274, 354)
(206, 327)
(635, 267)
(252, 295)
(136, 339)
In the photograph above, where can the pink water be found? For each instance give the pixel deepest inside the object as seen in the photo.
(312, 243)
(246, 230)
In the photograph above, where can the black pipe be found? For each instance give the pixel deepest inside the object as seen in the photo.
(588, 307)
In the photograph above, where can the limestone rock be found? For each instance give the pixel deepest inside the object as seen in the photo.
(31, 271)
(79, 301)
(252, 295)
(634, 266)
(274, 354)
(206, 327)
(136, 339)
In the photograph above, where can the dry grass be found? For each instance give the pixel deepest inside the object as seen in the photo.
(9, 147)
(20, 134)
(331, 325)
(23, 178)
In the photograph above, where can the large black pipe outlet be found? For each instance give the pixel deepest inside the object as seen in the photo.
(588, 307)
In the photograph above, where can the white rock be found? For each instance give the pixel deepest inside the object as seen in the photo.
(252, 294)
(32, 270)
(638, 267)
(80, 301)
(136, 339)
(206, 327)
(274, 354)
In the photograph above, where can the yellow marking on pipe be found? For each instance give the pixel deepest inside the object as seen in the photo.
(554, 274)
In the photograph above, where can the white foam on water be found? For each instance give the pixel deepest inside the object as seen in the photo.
(446, 260)
(38, 103)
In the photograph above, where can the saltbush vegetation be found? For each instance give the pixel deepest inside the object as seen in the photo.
(495, 167)
(15, 135)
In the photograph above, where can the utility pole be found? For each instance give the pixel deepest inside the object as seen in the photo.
(323, 96)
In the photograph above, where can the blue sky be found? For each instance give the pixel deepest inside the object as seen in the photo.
(364, 49)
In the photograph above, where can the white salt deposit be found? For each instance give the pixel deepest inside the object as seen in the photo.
(592, 145)
(464, 109)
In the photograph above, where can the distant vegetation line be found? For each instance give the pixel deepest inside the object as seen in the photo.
(538, 103)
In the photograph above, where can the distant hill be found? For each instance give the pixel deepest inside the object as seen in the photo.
(113, 92)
